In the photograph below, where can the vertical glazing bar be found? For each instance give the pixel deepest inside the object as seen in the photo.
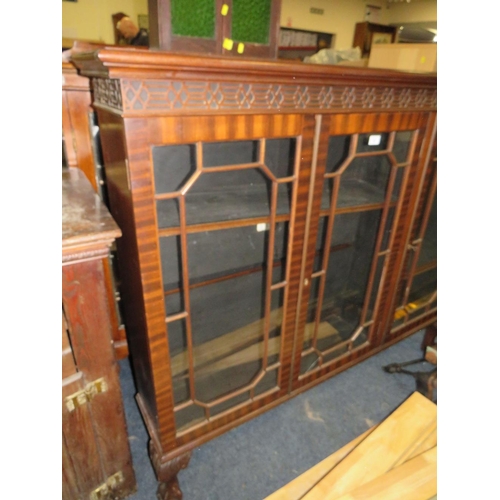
(269, 270)
(289, 247)
(317, 132)
(186, 296)
(199, 156)
(326, 256)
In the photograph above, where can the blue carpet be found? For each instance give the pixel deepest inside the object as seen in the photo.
(255, 459)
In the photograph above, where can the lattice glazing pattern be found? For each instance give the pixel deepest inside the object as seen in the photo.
(364, 179)
(225, 277)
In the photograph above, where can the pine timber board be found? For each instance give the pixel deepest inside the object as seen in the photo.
(413, 480)
(381, 450)
(297, 488)
(305, 485)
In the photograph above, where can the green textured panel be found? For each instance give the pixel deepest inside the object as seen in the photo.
(193, 18)
(251, 20)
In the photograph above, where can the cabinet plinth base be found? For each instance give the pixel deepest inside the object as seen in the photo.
(166, 472)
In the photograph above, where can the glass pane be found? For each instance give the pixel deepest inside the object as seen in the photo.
(221, 196)
(401, 147)
(233, 341)
(193, 18)
(338, 150)
(167, 213)
(189, 416)
(428, 249)
(364, 181)
(179, 361)
(280, 156)
(250, 21)
(218, 154)
(228, 334)
(268, 382)
(423, 285)
(173, 165)
(347, 275)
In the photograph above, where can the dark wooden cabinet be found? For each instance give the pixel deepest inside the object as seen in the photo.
(366, 34)
(81, 149)
(96, 457)
(265, 210)
(227, 27)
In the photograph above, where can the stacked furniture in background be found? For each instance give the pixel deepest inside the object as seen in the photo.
(81, 149)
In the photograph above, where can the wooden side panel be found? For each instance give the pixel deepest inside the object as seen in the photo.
(80, 442)
(76, 129)
(69, 482)
(131, 289)
(85, 306)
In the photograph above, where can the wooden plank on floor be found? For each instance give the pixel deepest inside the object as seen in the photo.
(297, 488)
(413, 480)
(378, 453)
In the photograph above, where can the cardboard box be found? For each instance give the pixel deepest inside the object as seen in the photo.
(420, 57)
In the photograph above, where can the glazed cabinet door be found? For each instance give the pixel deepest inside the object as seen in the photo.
(225, 194)
(416, 297)
(363, 168)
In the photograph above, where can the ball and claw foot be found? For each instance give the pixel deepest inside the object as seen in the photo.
(169, 491)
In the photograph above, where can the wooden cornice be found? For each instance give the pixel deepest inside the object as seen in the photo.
(139, 83)
(115, 62)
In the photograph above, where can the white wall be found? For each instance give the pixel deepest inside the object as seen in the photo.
(91, 19)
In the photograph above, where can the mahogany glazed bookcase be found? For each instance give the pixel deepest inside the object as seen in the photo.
(274, 219)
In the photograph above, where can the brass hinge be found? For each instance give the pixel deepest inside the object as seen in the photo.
(81, 397)
(103, 491)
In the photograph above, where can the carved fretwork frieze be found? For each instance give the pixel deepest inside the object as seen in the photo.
(107, 92)
(169, 96)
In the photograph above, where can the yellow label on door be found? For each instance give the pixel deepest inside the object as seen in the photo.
(225, 9)
(228, 44)
(241, 48)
